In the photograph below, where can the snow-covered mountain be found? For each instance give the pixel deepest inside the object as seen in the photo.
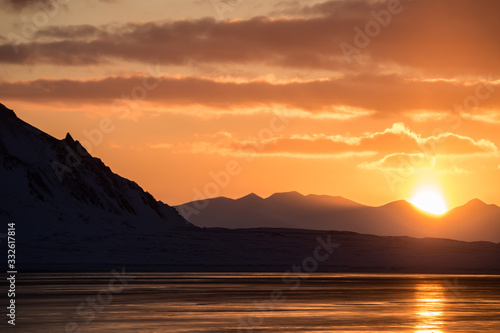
(52, 186)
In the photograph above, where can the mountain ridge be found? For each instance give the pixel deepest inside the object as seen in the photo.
(323, 212)
(61, 186)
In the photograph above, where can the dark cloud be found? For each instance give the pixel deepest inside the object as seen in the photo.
(382, 94)
(19, 5)
(81, 32)
(184, 42)
(345, 10)
(430, 36)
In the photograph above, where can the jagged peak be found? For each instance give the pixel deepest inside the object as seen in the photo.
(251, 196)
(6, 112)
(69, 138)
(39, 172)
(76, 146)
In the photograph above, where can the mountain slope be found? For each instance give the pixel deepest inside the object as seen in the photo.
(474, 221)
(49, 185)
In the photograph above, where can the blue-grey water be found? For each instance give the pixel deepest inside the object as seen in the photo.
(255, 302)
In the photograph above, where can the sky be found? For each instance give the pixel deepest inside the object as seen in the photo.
(369, 100)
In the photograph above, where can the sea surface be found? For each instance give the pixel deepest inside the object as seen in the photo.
(121, 301)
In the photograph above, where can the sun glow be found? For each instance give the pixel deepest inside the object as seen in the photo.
(430, 200)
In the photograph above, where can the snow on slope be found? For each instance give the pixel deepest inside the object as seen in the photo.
(49, 185)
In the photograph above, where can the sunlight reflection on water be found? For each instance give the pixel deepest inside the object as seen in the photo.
(429, 308)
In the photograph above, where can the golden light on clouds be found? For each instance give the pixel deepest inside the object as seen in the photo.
(188, 90)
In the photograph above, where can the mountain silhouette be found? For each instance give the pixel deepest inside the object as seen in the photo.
(474, 221)
(71, 212)
(50, 185)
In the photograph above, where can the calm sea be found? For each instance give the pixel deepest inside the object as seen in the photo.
(255, 302)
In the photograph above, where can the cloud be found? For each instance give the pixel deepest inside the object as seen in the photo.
(417, 162)
(181, 42)
(400, 138)
(160, 146)
(428, 36)
(115, 145)
(19, 5)
(226, 145)
(341, 9)
(396, 143)
(83, 32)
(407, 164)
(443, 152)
(394, 161)
(339, 98)
(486, 116)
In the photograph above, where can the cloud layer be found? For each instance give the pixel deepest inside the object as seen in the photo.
(434, 37)
(425, 61)
(392, 143)
(346, 97)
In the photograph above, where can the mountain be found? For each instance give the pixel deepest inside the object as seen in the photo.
(55, 186)
(474, 221)
(280, 210)
(72, 213)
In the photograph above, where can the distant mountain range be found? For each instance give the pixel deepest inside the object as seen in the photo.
(474, 221)
(55, 186)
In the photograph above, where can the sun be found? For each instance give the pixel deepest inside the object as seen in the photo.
(430, 200)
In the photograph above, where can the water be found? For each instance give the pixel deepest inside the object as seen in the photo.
(256, 302)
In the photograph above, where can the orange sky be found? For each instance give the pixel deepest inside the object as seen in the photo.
(369, 100)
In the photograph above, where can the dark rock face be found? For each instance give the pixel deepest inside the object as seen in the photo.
(49, 185)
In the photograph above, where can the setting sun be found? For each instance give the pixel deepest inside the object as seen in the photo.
(430, 200)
